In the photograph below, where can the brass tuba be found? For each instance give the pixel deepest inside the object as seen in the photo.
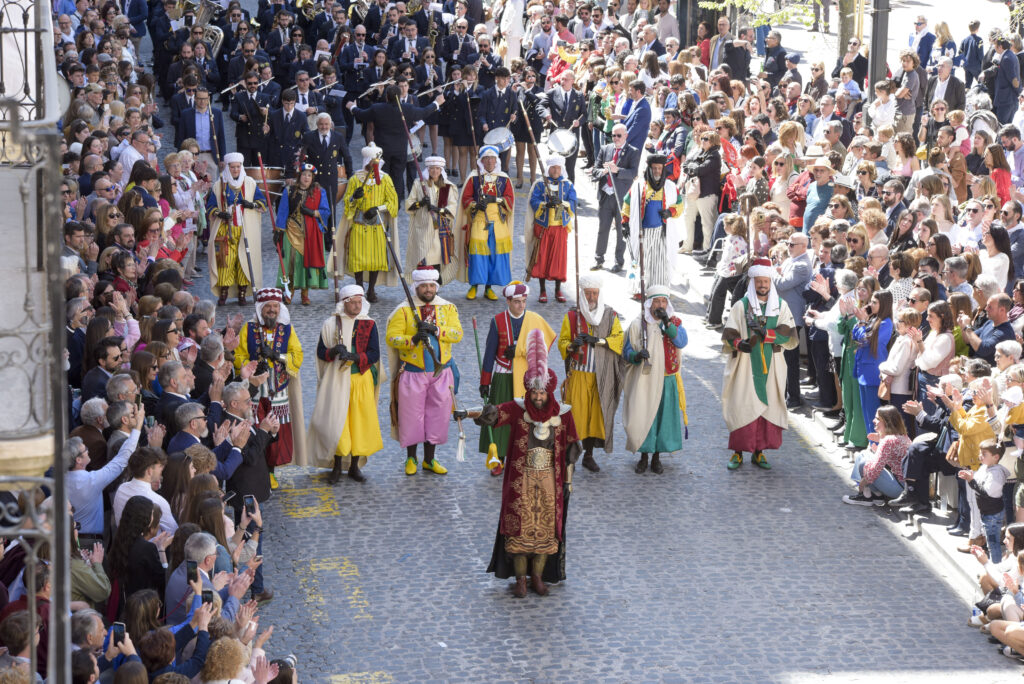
(213, 35)
(358, 10)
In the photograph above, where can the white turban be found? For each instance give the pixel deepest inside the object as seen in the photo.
(435, 162)
(488, 151)
(424, 275)
(591, 281)
(371, 153)
(651, 293)
(555, 160)
(234, 157)
(350, 291)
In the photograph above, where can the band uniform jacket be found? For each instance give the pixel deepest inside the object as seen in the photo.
(351, 75)
(563, 108)
(286, 138)
(248, 133)
(326, 159)
(455, 52)
(497, 108)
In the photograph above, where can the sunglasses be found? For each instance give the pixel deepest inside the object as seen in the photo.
(973, 210)
(834, 206)
(911, 301)
(862, 173)
(854, 240)
(778, 163)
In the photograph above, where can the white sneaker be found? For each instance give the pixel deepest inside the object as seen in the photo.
(975, 621)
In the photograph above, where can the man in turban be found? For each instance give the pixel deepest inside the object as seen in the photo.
(234, 205)
(553, 201)
(484, 221)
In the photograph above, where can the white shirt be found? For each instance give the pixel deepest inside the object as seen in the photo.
(129, 155)
(940, 89)
(85, 487)
(141, 488)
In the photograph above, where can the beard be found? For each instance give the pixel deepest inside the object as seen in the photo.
(269, 322)
(426, 297)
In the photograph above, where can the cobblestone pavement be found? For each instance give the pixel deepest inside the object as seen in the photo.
(695, 575)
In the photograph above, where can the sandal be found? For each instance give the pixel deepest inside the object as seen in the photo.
(560, 298)
(519, 183)
(543, 299)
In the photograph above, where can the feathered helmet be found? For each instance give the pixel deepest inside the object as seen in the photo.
(538, 376)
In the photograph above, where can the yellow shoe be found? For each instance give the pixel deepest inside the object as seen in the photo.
(472, 293)
(492, 459)
(434, 467)
(410, 466)
(489, 293)
(273, 481)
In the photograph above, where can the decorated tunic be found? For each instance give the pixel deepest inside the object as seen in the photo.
(363, 244)
(303, 247)
(594, 378)
(655, 401)
(641, 208)
(228, 264)
(486, 229)
(432, 235)
(547, 244)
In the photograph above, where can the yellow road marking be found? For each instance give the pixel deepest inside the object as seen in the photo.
(309, 502)
(379, 677)
(309, 574)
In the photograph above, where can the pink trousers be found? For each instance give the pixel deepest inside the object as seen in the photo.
(424, 407)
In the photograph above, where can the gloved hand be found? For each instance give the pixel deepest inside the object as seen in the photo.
(420, 336)
(358, 194)
(660, 314)
(485, 391)
(415, 205)
(743, 346)
(338, 352)
(488, 199)
(589, 339)
(641, 355)
(510, 351)
(572, 348)
(758, 330)
(432, 208)
(426, 327)
(278, 237)
(223, 215)
(350, 356)
(370, 215)
(246, 204)
(665, 214)
(307, 211)
(553, 204)
(459, 414)
(625, 228)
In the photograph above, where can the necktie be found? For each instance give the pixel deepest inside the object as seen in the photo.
(288, 117)
(615, 160)
(323, 141)
(190, 104)
(303, 96)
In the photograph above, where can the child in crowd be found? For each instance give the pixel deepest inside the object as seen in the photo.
(985, 496)
(883, 109)
(957, 119)
(848, 84)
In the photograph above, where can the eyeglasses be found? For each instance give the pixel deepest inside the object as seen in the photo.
(1003, 212)
(888, 192)
(618, 135)
(778, 162)
(65, 192)
(973, 210)
(862, 173)
(835, 205)
(854, 240)
(989, 205)
(172, 331)
(911, 301)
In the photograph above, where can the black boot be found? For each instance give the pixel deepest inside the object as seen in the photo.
(589, 463)
(336, 471)
(641, 466)
(354, 472)
(656, 466)
(908, 496)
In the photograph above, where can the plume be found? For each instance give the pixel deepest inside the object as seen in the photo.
(536, 360)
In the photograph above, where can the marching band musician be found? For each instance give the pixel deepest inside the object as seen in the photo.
(565, 107)
(249, 110)
(498, 109)
(287, 126)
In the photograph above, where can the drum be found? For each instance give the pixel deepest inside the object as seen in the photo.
(501, 138)
(563, 141)
(413, 151)
(275, 179)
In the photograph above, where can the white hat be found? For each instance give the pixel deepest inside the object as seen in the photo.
(489, 151)
(590, 281)
(555, 160)
(435, 160)
(350, 291)
(371, 153)
(424, 275)
(234, 157)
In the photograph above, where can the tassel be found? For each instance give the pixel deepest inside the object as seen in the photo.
(686, 432)
(764, 366)
(460, 450)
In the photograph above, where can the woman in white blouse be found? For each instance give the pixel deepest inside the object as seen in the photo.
(996, 257)
(935, 351)
(897, 368)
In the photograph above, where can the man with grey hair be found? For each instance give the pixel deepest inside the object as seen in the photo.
(177, 382)
(93, 416)
(77, 312)
(211, 358)
(854, 154)
(121, 387)
(85, 487)
(832, 133)
(945, 86)
(954, 277)
(120, 419)
(229, 439)
(185, 301)
(87, 631)
(201, 548)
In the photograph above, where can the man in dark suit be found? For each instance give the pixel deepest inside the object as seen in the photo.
(307, 101)
(108, 353)
(374, 19)
(195, 123)
(279, 37)
(945, 86)
(407, 46)
(615, 170)
(270, 89)
(489, 62)
(177, 382)
(650, 43)
(353, 58)
(498, 108)
(287, 126)
(926, 39)
(459, 48)
(389, 131)
(249, 111)
(774, 59)
(565, 107)
(323, 148)
(1007, 83)
(423, 22)
(94, 419)
(191, 421)
(184, 99)
(638, 121)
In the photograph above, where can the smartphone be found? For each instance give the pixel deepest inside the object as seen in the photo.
(117, 633)
(207, 596)
(258, 559)
(150, 421)
(250, 504)
(191, 571)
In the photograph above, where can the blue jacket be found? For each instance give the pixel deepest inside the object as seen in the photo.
(971, 54)
(865, 364)
(137, 12)
(638, 123)
(1006, 92)
(924, 48)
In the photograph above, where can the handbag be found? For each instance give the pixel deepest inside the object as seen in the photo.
(692, 188)
(885, 388)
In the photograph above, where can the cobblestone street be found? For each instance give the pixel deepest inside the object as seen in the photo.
(696, 575)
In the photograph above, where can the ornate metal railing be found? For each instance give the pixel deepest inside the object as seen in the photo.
(32, 385)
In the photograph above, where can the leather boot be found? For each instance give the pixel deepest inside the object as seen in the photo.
(641, 466)
(305, 297)
(241, 295)
(223, 298)
(973, 541)
(335, 471)
(537, 573)
(590, 464)
(656, 466)
(354, 472)
(519, 588)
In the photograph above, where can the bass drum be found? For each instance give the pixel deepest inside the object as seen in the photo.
(564, 142)
(501, 138)
(275, 179)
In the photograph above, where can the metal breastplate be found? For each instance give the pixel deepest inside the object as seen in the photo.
(539, 458)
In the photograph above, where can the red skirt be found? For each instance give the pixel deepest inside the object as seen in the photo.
(552, 254)
(756, 436)
(279, 452)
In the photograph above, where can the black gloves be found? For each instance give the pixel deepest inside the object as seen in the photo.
(660, 314)
(665, 214)
(510, 351)
(743, 346)
(246, 204)
(223, 215)
(370, 214)
(358, 194)
(339, 352)
(415, 205)
(420, 336)
(278, 237)
(426, 327)
(625, 228)
(307, 211)
(485, 391)
(589, 339)
(553, 204)
(643, 354)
